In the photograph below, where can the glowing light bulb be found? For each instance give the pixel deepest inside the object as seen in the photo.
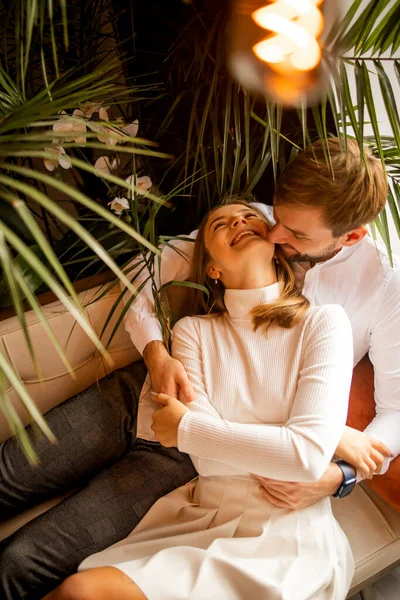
(274, 49)
(279, 8)
(313, 22)
(297, 24)
(279, 24)
(306, 59)
(300, 6)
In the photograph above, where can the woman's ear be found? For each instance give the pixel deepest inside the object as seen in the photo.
(213, 272)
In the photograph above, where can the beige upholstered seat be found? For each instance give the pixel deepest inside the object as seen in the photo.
(373, 529)
(372, 526)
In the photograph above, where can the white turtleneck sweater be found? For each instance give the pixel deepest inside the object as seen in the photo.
(270, 404)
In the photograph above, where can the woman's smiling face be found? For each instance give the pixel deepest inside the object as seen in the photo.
(236, 237)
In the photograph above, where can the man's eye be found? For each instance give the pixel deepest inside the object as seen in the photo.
(248, 215)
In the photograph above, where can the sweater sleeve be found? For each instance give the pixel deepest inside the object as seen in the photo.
(301, 448)
(141, 321)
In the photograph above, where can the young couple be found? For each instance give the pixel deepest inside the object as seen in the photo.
(268, 377)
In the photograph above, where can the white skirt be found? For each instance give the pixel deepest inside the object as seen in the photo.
(218, 538)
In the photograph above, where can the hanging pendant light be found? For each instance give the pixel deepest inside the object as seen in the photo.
(276, 47)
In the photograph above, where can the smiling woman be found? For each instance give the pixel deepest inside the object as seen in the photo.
(267, 403)
(230, 237)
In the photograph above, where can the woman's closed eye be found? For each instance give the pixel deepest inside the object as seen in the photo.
(219, 224)
(223, 223)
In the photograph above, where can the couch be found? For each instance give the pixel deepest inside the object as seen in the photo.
(371, 525)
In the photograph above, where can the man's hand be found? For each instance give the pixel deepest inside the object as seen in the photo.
(300, 495)
(363, 452)
(166, 419)
(167, 374)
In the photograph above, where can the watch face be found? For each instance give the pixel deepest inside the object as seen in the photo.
(349, 479)
(346, 488)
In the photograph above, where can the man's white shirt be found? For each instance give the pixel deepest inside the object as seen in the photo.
(360, 278)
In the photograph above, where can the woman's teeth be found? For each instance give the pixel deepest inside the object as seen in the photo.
(240, 235)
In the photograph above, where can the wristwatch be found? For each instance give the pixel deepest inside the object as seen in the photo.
(349, 479)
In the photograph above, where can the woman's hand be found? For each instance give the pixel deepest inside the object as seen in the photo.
(363, 452)
(166, 419)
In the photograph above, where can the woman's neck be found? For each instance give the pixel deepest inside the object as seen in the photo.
(251, 278)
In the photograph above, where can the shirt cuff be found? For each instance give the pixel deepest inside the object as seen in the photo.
(149, 330)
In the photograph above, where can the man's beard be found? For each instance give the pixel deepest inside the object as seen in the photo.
(326, 254)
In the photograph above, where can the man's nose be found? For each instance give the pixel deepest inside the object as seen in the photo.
(277, 234)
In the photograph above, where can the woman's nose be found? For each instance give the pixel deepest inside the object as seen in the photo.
(240, 219)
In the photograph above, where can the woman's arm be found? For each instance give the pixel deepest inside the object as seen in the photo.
(299, 450)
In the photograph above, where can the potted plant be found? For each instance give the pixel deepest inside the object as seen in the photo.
(55, 90)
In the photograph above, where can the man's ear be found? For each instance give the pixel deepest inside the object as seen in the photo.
(213, 272)
(354, 236)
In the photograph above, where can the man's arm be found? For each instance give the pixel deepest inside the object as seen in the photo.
(384, 353)
(167, 374)
(141, 321)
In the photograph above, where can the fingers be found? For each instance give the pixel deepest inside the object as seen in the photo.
(367, 468)
(161, 398)
(380, 447)
(378, 459)
(273, 500)
(372, 464)
(275, 484)
(186, 386)
(364, 471)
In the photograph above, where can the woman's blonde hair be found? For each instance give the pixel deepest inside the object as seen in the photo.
(286, 311)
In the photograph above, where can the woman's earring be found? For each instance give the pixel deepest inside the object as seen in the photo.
(216, 280)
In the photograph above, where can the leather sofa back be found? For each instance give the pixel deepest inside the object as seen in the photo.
(87, 363)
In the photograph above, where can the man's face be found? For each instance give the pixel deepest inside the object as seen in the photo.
(302, 234)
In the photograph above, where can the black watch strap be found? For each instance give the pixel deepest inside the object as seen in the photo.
(349, 479)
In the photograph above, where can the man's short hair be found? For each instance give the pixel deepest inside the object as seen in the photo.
(350, 189)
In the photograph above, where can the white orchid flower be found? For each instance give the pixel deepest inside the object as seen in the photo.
(143, 183)
(60, 158)
(68, 125)
(103, 114)
(107, 135)
(131, 129)
(89, 108)
(118, 205)
(105, 165)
